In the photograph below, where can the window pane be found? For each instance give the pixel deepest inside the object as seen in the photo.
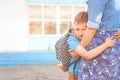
(50, 27)
(78, 9)
(35, 11)
(64, 26)
(50, 11)
(65, 12)
(35, 27)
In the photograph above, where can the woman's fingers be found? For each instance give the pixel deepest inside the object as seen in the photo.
(117, 34)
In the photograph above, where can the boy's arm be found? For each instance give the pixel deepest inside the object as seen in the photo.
(85, 40)
(89, 55)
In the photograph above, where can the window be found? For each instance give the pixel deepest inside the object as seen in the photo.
(49, 11)
(35, 27)
(51, 19)
(78, 8)
(35, 11)
(65, 12)
(50, 27)
(64, 26)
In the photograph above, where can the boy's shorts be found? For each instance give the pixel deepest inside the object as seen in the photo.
(76, 70)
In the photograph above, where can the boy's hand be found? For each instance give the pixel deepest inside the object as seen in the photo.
(74, 54)
(110, 42)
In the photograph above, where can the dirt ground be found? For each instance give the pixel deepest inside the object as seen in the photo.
(34, 72)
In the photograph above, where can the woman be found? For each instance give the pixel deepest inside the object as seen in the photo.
(103, 21)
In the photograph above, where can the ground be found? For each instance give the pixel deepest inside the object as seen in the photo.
(34, 72)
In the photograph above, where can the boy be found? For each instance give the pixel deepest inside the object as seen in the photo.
(74, 41)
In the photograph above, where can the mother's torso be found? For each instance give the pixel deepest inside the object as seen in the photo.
(105, 13)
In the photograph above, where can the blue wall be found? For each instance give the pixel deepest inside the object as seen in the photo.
(27, 58)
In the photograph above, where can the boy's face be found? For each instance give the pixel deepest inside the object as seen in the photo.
(79, 29)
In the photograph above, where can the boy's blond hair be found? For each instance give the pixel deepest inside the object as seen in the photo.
(81, 17)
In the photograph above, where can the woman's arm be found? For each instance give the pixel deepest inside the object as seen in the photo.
(88, 55)
(95, 12)
(87, 38)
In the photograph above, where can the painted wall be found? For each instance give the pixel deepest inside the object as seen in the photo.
(27, 58)
(42, 43)
(13, 25)
(15, 41)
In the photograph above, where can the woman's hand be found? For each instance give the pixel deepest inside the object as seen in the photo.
(117, 34)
